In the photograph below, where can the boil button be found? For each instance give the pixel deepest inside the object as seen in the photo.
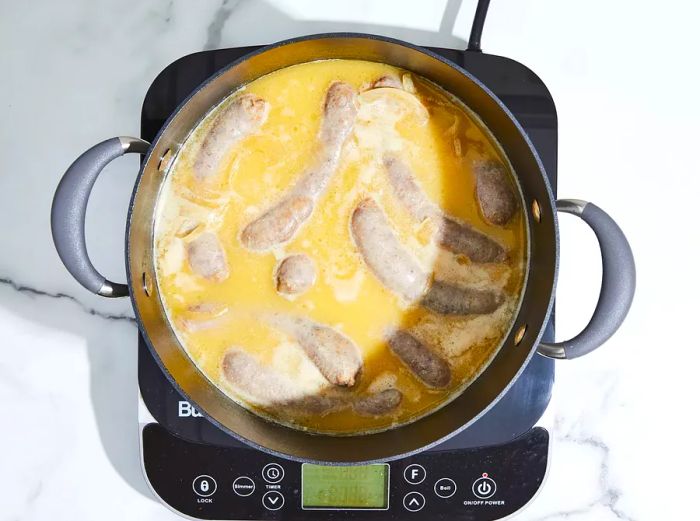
(445, 488)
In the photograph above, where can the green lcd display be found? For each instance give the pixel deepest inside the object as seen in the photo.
(327, 487)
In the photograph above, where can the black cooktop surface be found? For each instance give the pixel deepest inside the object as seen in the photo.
(184, 453)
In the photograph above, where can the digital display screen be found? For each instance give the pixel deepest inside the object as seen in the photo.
(327, 487)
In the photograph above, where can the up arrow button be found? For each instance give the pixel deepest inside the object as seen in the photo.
(413, 501)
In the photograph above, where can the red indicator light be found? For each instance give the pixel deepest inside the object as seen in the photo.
(485, 475)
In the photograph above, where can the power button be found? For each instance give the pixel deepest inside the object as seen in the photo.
(484, 487)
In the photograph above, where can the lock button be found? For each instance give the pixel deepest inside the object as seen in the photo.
(204, 486)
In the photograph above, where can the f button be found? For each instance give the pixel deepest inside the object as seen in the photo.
(414, 474)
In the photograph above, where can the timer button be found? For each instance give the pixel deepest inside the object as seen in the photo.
(273, 500)
(243, 486)
(413, 501)
(204, 485)
(484, 487)
(273, 473)
(445, 488)
(414, 474)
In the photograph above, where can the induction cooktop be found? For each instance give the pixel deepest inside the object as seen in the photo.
(488, 471)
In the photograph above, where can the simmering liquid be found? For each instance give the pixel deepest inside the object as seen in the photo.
(230, 297)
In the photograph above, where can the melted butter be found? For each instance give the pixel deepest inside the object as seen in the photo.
(437, 137)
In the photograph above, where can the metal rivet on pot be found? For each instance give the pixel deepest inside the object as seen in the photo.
(164, 162)
(519, 334)
(536, 212)
(146, 283)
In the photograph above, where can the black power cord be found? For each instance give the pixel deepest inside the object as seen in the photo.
(482, 8)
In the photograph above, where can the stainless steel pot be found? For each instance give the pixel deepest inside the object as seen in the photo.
(68, 227)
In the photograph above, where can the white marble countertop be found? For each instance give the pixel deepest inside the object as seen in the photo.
(625, 81)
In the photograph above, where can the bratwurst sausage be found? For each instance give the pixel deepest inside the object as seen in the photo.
(494, 192)
(244, 116)
(422, 362)
(396, 268)
(281, 222)
(379, 403)
(393, 82)
(406, 189)
(206, 257)
(448, 299)
(452, 235)
(266, 387)
(295, 275)
(337, 358)
(461, 238)
(257, 382)
(384, 254)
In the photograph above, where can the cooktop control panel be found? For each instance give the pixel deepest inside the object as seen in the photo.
(212, 482)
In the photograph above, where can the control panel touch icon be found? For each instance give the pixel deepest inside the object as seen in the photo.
(484, 487)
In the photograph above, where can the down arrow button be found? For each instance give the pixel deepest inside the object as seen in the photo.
(273, 500)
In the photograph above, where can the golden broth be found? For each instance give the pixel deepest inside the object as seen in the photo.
(440, 141)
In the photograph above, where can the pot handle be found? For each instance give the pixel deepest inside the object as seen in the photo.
(617, 287)
(69, 206)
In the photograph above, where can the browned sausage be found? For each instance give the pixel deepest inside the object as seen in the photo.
(422, 362)
(337, 358)
(281, 222)
(256, 382)
(202, 316)
(394, 266)
(207, 258)
(383, 252)
(461, 238)
(295, 274)
(448, 299)
(339, 112)
(494, 192)
(452, 235)
(319, 404)
(278, 224)
(387, 81)
(266, 387)
(242, 117)
(378, 404)
(406, 189)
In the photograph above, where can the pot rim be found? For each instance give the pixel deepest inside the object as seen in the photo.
(535, 339)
